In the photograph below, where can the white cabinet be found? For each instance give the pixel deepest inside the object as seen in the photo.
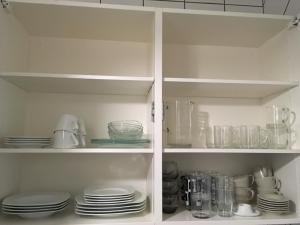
(109, 62)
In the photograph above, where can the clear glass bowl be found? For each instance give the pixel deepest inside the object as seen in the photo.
(125, 130)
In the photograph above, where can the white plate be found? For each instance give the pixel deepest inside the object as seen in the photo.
(271, 204)
(272, 209)
(139, 198)
(109, 191)
(111, 201)
(34, 207)
(110, 207)
(87, 213)
(273, 197)
(26, 137)
(106, 198)
(255, 213)
(37, 199)
(110, 210)
(35, 215)
(10, 209)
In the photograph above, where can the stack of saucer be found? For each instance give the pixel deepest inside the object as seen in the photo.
(35, 205)
(110, 201)
(27, 142)
(273, 203)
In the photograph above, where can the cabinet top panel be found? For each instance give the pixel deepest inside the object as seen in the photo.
(221, 28)
(83, 21)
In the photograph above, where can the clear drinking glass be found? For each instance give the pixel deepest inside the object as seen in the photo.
(225, 188)
(201, 195)
(217, 136)
(210, 141)
(281, 136)
(253, 136)
(178, 114)
(226, 136)
(199, 127)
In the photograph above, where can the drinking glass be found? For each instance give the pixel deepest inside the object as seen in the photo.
(178, 115)
(240, 137)
(201, 195)
(199, 127)
(217, 136)
(210, 140)
(225, 187)
(281, 136)
(253, 136)
(226, 136)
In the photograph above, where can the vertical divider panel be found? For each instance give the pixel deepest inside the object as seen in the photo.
(158, 116)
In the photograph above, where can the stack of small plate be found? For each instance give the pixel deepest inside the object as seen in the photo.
(110, 201)
(35, 205)
(273, 203)
(27, 142)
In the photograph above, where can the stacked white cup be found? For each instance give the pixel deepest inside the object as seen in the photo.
(244, 192)
(266, 182)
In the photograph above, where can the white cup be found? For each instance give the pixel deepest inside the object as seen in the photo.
(268, 183)
(245, 209)
(244, 194)
(68, 122)
(65, 139)
(243, 181)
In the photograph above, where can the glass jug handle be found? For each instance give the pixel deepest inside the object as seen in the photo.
(294, 118)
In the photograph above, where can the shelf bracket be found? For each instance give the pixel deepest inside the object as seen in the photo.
(4, 4)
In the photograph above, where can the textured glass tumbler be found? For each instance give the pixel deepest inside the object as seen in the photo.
(225, 192)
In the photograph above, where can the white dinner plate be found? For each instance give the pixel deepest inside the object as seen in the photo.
(35, 209)
(111, 210)
(108, 214)
(34, 215)
(110, 207)
(109, 197)
(272, 209)
(139, 198)
(272, 197)
(108, 191)
(111, 201)
(37, 199)
(271, 204)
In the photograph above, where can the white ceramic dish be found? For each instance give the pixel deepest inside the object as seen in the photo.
(111, 201)
(139, 198)
(272, 197)
(255, 213)
(109, 191)
(35, 215)
(108, 214)
(36, 209)
(37, 199)
(106, 198)
(110, 207)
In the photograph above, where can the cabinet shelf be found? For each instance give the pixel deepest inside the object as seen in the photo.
(224, 88)
(76, 150)
(80, 84)
(216, 150)
(184, 216)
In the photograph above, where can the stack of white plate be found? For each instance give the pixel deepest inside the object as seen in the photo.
(273, 203)
(27, 142)
(110, 201)
(35, 205)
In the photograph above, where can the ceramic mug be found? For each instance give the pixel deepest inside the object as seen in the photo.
(65, 139)
(268, 183)
(243, 181)
(244, 194)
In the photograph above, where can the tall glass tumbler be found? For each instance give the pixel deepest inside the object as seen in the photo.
(201, 196)
(178, 115)
(225, 196)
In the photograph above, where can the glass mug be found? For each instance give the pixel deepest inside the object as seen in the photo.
(280, 115)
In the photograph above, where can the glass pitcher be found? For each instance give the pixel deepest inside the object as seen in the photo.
(280, 115)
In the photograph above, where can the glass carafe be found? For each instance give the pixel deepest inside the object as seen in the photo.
(276, 114)
(281, 136)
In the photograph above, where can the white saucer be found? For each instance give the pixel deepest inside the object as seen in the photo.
(255, 213)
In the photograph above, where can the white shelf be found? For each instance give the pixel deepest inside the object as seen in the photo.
(69, 218)
(185, 217)
(224, 88)
(76, 150)
(217, 150)
(196, 27)
(80, 84)
(53, 18)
